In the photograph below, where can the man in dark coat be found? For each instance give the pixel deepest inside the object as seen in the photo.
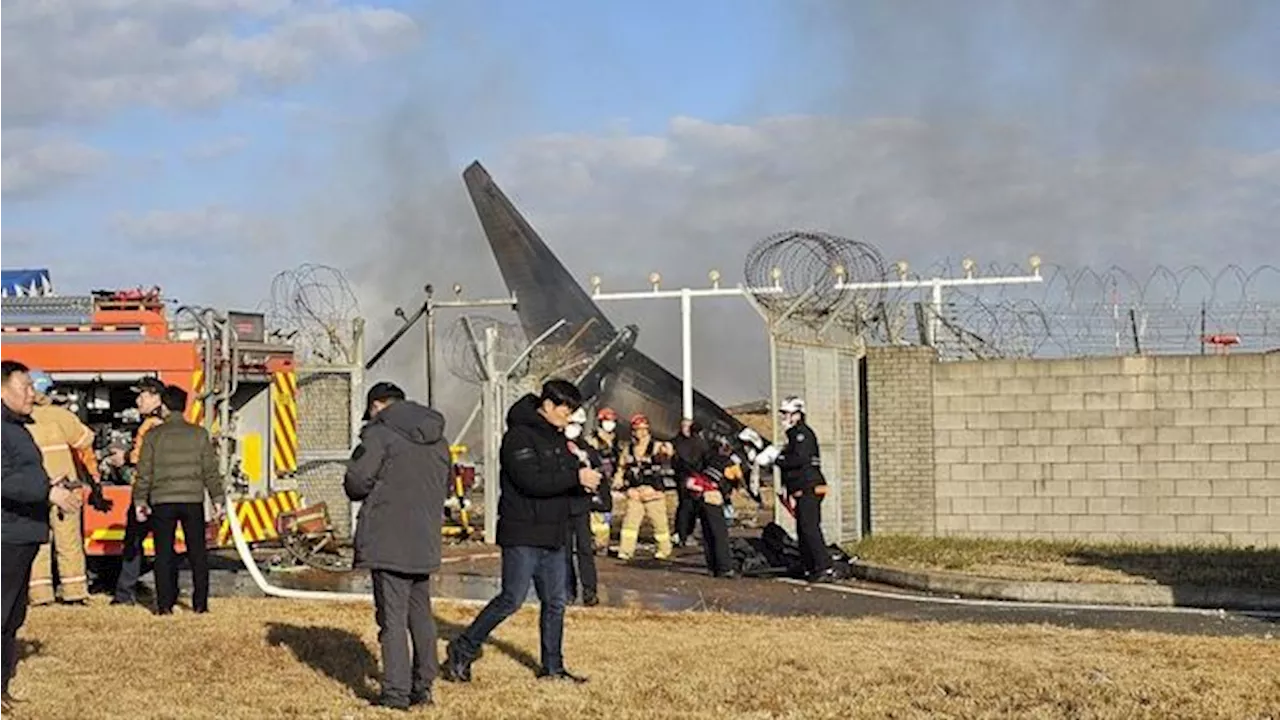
(400, 474)
(539, 479)
(693, 452)
(27, 495)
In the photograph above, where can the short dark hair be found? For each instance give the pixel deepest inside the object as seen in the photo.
(561, 392)
(9, 367)
(174, 398)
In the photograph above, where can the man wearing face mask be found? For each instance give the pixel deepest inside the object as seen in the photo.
(802, 478)
(539, 478)
(580, 543)
(606, 444)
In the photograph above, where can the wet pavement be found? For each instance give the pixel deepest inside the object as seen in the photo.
(682, 585)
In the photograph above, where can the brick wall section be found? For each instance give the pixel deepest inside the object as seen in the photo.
(324, 432)
(1177, 449)
(900, 414)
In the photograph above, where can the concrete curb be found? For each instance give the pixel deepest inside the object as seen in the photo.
(1065, 592)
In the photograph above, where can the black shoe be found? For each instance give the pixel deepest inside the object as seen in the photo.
(124, 601)
(392, 704)
(589, 598)
(422, 697)
(456, 666)
(727, 574)
(561, 674)
(823, 576)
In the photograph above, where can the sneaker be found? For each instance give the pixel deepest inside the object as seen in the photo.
(421, 697)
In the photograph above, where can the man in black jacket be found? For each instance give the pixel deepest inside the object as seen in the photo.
(27, 495)
(692, 455)
(539, 477)
(400, 472)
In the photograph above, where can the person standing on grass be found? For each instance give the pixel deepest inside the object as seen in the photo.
(400, 472)
(178, 464)
(27, 495)
(539, 479)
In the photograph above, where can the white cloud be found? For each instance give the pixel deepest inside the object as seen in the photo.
(80, 61)
(34, 165)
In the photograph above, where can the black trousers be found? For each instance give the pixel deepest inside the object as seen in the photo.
(132, 560)
(164, 520)
(582, 545)
(16, 562)
(813, 548)
(686, 513)
(403, 608)
(715, 537)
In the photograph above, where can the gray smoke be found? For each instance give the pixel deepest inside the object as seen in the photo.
(1089, 132)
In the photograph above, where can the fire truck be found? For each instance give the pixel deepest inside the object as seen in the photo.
(240, 382)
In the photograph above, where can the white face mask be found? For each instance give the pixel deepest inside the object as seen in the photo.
(572, 431)
(608, 426)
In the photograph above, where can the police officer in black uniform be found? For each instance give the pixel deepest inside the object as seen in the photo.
(802, 478)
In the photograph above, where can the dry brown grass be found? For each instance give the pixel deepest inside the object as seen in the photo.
(271, 658)
(1257, 569)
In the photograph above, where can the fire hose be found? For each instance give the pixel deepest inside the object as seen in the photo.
(246, 558)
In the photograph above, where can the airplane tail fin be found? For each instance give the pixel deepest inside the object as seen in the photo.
(545, 291)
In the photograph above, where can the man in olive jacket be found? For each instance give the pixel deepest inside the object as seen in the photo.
(400, 473)
(178, 464)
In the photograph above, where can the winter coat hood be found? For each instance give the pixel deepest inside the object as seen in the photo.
(414, 422)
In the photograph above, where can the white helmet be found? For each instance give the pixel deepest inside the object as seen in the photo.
(792, 404)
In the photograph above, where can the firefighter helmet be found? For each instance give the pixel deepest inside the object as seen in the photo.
(639, 420)
(606, 414)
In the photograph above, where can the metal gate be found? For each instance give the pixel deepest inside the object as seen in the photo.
(825, 371)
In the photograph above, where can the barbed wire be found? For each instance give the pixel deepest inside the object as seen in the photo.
(312, 307)
(802, 262)
(463, 350)
(1085, 311)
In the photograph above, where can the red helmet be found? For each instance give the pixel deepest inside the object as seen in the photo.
(639, 420)
(606, 414)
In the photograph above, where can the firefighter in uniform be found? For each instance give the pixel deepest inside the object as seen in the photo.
(151, 407)
(805, 485)
(643, 481)
(709, 491)
(64, 442)
(606, 444)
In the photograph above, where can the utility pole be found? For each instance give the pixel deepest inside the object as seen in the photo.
(936, 284)
(686, 296)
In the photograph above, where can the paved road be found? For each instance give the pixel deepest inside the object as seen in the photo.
(684, 585)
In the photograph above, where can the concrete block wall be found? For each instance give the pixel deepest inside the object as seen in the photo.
(900, 411)
(1169, 449)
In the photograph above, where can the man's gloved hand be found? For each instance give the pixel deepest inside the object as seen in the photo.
(97, 500)
(751, 438)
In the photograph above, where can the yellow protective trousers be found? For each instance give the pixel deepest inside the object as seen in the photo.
(600, 530)
(68, 543)
(655, 510)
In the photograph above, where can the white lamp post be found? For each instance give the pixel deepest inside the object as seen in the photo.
(686, 296)
(936, 284)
